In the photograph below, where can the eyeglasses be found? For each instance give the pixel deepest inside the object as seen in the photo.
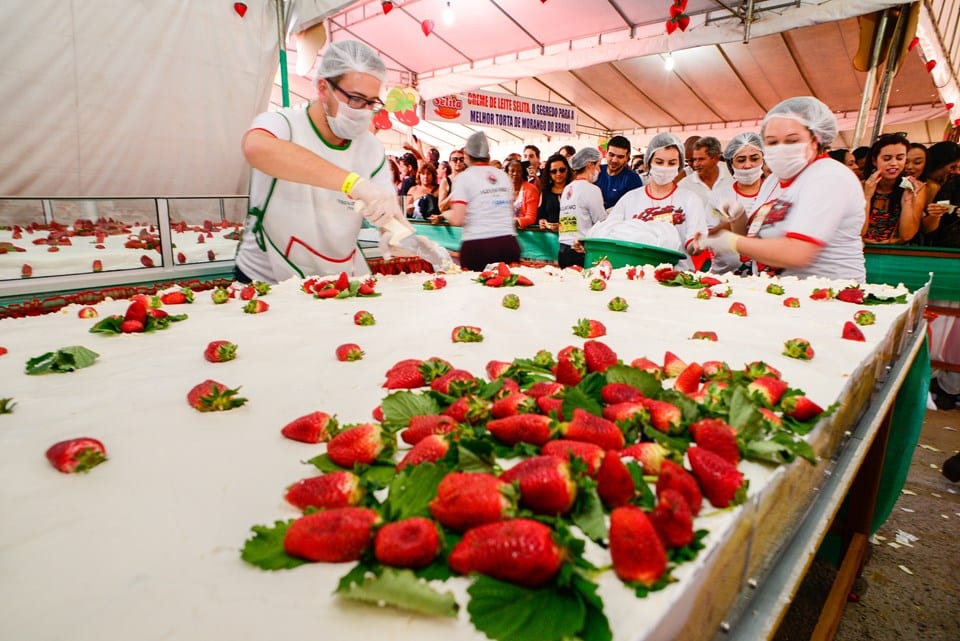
(456, 159)
(559, 170)
(356, 101)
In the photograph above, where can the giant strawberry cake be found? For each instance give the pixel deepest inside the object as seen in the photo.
(156, 543)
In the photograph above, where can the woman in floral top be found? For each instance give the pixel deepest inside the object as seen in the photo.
(895, 201)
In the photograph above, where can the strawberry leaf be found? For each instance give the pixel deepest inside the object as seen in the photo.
(646, 382)
(401, 589)
(65, 359)
(744, 416)
(596, 627)
(688, 552)
(399, 407)
(474, 455)
(688, 407)
(506, 612)
(378, 475)
(324, 464)
(673, 443)
(645, 497)
(585, 395)
(412, 490)
(588, 513)
(265, 548)
(108, 325)
(779, 448)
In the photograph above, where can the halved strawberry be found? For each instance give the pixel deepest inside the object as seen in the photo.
(673, 365)
(649, 454)
(495, 369)
(645, 364)
(793, 301)
(688, 381)
(798, 348)
(738, 309)
(704, 335)
(315, 427)
(88, 312)
(852, 333)
(716, 371)
(618, 304)
(256, 306)
(864, 317)
(76, 455)
(851, 295)
(466, 334)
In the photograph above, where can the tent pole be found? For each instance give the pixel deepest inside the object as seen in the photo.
(870, 81)
(889, 72)
(282, 41)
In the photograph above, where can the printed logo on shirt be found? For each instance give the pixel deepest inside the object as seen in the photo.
(568, 224)
(767, 214)
(666, 214)
(492, 178)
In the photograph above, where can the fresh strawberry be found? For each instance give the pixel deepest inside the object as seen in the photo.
(261, 287)
(496, 281)
(522, 281)
(363, 318)
(377, 414)
(211, 396)
(219, 296)
(767, 390)
(587, 328)
(220, 351)
(664, 416)
(88, 312)
(367, 288)
(181, 258)
(633, 274)
(645, 364)
(467, 499)
(256, 306)
(136, 311)
(544, 359)
(495, 369)
(425, 425)
(336, 489)
(720, 480)
(77, 454)
(756, 369)
(716, 371)
(349, 352)
(688, 381)
(131, 327)
(738, 309)
(511, 301)
(672, 519)
(435, 283)
(673, 365)
(775, 289)
(466, 334)
(722, 292)
(181, 297)
(469, 409)
(545, 483)
(614, 481)
(571, 365)
(821, 293)
(864, 317)
(716, 435)
(618, 304)
(146, 261)
(343, 282)
(337, 535)
(705, 294)
(316, 427)
(359, 444)
(800, 407)
(627, 412)
(454, 378)
(520, 551)
(429, 449)
(674, 477)
(793, 301)
(503, 270)
(26, 271)
(637, 553)
(704, 336)
(97, 265)
(405, 375)
(589, 453)
(598, 285)
(535, 429)
(410, 543)
(551, 406)
(798, 348)
(665, 274)
(545, 388)
(852, 333)
(513, 404)
(770, 419)
(649, 454)
(851, 295)
(248, 292)
(598, 356)
(613, 393)
(585, 426)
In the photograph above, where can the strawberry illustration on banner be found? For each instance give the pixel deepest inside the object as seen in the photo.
(402, 103)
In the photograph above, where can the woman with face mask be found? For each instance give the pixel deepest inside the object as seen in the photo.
(680, 211)
(581, 206)
(812, 207)
(318, 172)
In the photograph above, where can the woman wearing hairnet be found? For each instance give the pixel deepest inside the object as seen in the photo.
(812, 209)
(732, 203)
(581, 207)
(311, 167)
(679, 212)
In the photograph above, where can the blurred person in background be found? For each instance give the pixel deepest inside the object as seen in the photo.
(581, 207)
(526, 197)
(556, 177)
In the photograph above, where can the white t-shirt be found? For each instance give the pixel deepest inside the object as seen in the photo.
(727, 260)
(824, 205)
(308, 230)
(693, 183)
(581, 207)
(681, 208)
(488, 194)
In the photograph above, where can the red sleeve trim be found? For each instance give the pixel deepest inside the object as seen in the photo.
(262, 129)
(458, 202)
(806, 239)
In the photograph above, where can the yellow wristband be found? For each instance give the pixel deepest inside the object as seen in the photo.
(349, 182)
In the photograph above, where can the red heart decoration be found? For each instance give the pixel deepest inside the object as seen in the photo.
(949, 106)
(913, 43)
(682, 21)
(675, 11)
(240, 8)
(426, 27)
(930, 65)
(387, 6)
(671, 26)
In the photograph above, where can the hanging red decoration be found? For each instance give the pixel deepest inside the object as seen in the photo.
(240, 8)
(913, 43)
(930, 65)
(956, 123)
(678, 19)
(426, 27)
(949, 106)
(387, 6)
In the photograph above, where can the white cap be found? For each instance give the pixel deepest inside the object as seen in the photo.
(477, 146)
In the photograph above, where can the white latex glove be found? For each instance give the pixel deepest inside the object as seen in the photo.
(734, 214)
(722, 241)
(376, 204)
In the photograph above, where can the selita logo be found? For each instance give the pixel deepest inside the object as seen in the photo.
(569, 194)
(447, 107)
(492, 178)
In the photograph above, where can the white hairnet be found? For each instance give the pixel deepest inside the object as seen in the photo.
(661, 141)
(584, 157)
(348, 56)
(809, 112)
(747, 138)
(477, 145)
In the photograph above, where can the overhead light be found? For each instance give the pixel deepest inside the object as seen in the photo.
(668, 62)
(448, 16)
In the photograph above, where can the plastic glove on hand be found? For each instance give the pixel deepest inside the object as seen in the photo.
(720, 242)
(376, 204)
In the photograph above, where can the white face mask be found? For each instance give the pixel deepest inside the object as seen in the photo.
(747, 176)
(349, 123)
(662, 174)
(786, 161)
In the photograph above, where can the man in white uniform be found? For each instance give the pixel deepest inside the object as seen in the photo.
(311, 166)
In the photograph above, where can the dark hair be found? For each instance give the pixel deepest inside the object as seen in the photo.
(840, 155)
(620, 142)
(409, 159)
(860, 153)
(941, 154)
(711, 144)
(916, 145)
(570, 149)
(885, 140)
(546, 181)
(430, 170)
(536, 149)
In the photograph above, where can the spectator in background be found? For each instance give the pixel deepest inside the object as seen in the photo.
(395, 172)
(733, 203)
(707, 174)
(531, 156)
(686, 167)
(943, 161)
(637, 165)
(433, 156)
(893, 209)
(616, 179)
(422, 199)
(408, 173)
(457, 165)
(916, 165)
(443, 174)
(526, 197)
(556, 176)
(845, 157)
(567, 152)
(860, 156)
(941, 219)
(581, 207)
(481, 204)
